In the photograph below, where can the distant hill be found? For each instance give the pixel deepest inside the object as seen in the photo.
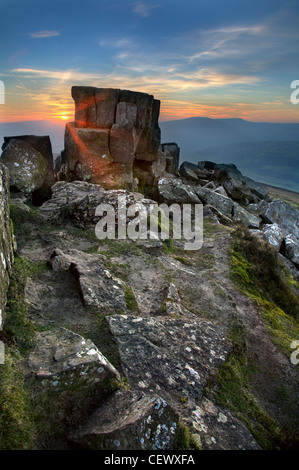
(266, 152)
(54, 129)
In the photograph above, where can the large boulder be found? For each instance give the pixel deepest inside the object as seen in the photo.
(240, 214)
(27, 167)
(79, 200)
(273, 235)
(173, 190)
(41, 144)
(283, 214)
(221, 202)
(6, 240)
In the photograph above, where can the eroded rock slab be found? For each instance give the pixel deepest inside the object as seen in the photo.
(98, 287)
(217, 429)
(130, 421)
(169, 356)
(62, 357)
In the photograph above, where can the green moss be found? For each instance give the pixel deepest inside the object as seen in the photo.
(130, 299)
(234, 391)
(16, 426)
(17, 328)
(259, 273)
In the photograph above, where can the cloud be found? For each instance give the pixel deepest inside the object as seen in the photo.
(45, 34)
(143, 9)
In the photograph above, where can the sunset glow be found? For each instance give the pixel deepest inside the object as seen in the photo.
(210, 59)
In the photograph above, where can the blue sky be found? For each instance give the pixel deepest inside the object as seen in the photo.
(200, 58)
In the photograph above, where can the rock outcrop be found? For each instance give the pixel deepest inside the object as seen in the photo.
(6, 241)
(233, 198)
(114, 140)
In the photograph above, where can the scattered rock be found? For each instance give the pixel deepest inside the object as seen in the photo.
(80, 199)
(219, 201)
(246, 218)
(173, 190)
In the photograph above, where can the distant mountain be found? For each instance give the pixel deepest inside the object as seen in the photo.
(53, 129)
(266, 152)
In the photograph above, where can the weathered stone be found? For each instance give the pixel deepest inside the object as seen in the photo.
(259, 189)
(69, 377)
(130, 421)
(128, 131)
(282, 213)
(247, 218)
(122, 144)
(178, 355)
(223, 203)
(80, 200)
(61, 355)
(273, 234)
(27, 167)
(219, 429)
(85, 106)
(106, 100)
(172, 155)
(220, 190)
(98, 287)
(173, 190)
(41, 144)
(292, 249)
(188, 171)
(6, 241)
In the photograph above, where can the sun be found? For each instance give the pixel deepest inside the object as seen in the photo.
(64, 117)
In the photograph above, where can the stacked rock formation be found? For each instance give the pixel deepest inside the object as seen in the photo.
(114, 140)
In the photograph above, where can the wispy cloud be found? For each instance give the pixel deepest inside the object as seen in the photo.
(45, 34)
(143, 9)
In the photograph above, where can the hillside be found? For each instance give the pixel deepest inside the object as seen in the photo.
(267, 152)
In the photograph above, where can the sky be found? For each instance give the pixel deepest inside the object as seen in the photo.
(211, 58)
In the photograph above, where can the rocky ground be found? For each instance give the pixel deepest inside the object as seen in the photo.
(176, 340)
